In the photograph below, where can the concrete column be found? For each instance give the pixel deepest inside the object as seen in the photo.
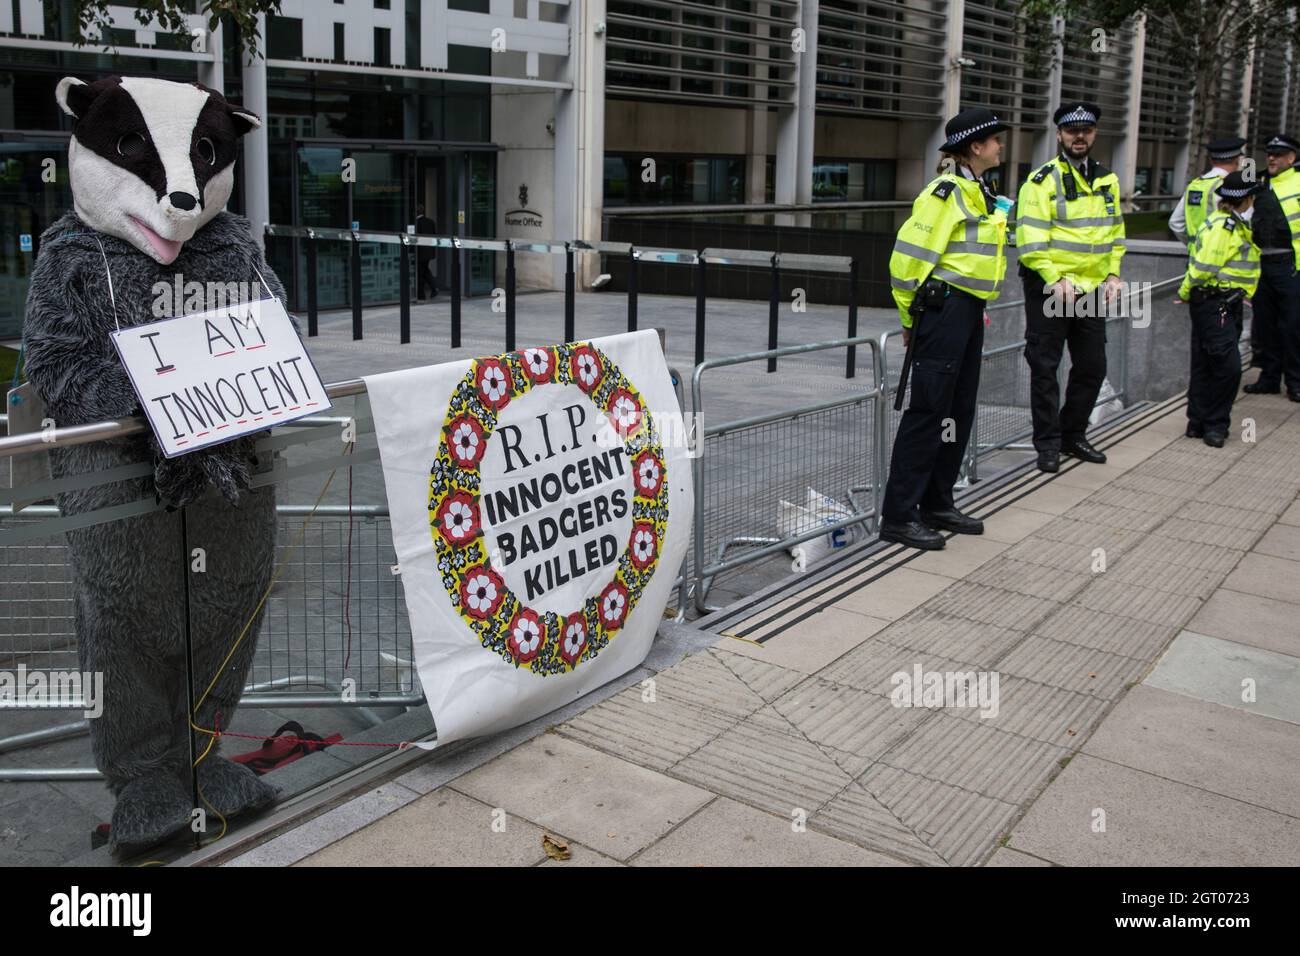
(1045, 145)
(1124, 156)
(257, 167)
(580, 139)
(1247, 87)
(807, 99)
(213, 74)
(952, 55)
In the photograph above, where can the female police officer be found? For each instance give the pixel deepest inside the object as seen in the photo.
(1222, 270)
(947, 262)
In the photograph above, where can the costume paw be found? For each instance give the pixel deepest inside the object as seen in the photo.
(228, 473)
(232, 788)
(178, 481)
(149, 810)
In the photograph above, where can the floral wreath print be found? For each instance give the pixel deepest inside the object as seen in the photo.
(544, 642)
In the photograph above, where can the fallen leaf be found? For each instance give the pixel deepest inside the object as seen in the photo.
(555, 848)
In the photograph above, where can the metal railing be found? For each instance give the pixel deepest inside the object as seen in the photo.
(700, 259)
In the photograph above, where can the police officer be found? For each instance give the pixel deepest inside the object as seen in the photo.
(1070, 236)
(1198, 199)
(948, 260)
(1275, 328)
(1222, 270)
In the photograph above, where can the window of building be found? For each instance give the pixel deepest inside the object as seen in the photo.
(338, 42)
(383, 46)
(1167, 181)
(641, 179)
(283, 38)
(1142, 180)
(853, 180)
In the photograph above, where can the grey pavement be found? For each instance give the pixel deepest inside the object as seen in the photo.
(1141, 617)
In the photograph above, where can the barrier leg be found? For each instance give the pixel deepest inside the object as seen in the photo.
(570, 293)
(632, 259)
(510, 296)
(773, 311)
(356, 288)
(699, 308)
(312, 325)
(455, 295)
(852, 369)
(404, 308)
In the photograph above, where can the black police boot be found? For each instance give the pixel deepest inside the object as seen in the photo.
(1261, 387)
(950, 519)
(1194, 431)
(1079, 448)
(911, 533)
(1049, 461)
(1215, 439)
(1293, 394)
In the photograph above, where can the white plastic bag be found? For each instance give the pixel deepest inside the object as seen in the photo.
(1108, 404)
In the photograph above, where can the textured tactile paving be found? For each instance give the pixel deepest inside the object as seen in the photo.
(1129, 492)
(974, 756)
(1111, 516)
(1050, 714)
(1225, 515)
(1085, 670)
(846, 719)
(1267, 465)
(1164, 576)
(653, 734)
(1184, 468)
(989, 605)
(1187, 554)
(932, 630)
(704, 681)
(1254, 494)
(961, 825)
(1071, 531)
(1107, 632)
(1062, 555)
(1202, 532)
(766, 680)
(857, 816)
(1036, 580)
(1138, 603)
(766, 762)
(872, 666)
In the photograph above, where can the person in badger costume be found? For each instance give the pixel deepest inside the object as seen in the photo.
(151, 164)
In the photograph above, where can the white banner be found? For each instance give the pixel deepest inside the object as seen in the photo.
(541, 506)
(208, 377)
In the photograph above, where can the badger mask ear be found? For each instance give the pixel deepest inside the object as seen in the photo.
(245, 122)
(75, 96)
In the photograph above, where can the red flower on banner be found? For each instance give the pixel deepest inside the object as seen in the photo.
(649, 473)
(482, 592)
(493, 380)
(526, 635)
(465, 442)
(613, 605)
(539, 364)
(644, 545)
(586, 368)
(458, 518)
(624, 412)
(574, 640)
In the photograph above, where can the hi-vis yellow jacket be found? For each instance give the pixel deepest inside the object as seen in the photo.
(950, 236)
(1198, 204)
(1064, 227)
(1287, 186)
(1224, 254)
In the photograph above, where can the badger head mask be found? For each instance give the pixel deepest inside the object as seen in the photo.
(151, 161)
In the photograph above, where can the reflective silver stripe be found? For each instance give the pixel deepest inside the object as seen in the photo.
(1293, 216)
(1120, 242)
(905, 285)
(1282, 199)
(1091, 221)
(1270, 251)
(1240, 264)
(977, 248)
(1033, 246)
(1083, 247)
(1206, 267)
(1036, 223)
(917, 252)
(1060, 191)
(984, 285)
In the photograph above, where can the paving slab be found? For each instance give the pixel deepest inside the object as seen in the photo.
(613, 806)
(1050, 714)
(962, 826)
(895, 594)
(443, 828)
(1250, 619)
(1005, 857)
(991, 605)
(1221, 749)
(1085, 670)
(1210, 668)
(1087, 627)
(812, 643)
(1266, 576)
(1149, 821)
(961, 556)
(580, 857)
(941, 633)
(1013, 523)
(872, 666)
(1292, 515)
(1053, 498)
(726, 833)
(857, 816)
(769, 681)
(1282, 541)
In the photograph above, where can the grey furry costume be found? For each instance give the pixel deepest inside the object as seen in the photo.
(129, 574)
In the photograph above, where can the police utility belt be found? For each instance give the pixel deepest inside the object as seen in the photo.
(931, 295)
(1207, 293)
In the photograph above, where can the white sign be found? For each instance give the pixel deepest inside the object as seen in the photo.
(208, 377)
(541, 506)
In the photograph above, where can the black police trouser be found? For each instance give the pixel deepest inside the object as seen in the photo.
(1045, 337)
(932, 435)
(427, 266)
(1216, 364)
(1275, 327)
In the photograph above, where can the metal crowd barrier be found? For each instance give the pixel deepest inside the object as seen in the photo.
(743, 469)
(335, 631)
(700, 259)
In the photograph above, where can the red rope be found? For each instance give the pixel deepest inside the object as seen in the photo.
(303, 740)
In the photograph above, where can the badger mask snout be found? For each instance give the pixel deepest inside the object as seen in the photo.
(151, 161)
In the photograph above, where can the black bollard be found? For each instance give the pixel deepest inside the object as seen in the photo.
(773, 310)
(510, 296)
(633, 257)
(455, 293)
(699, 307)
(852, 369)
(312, 325)
(404, 277)
(356, 287)
(570, 294)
